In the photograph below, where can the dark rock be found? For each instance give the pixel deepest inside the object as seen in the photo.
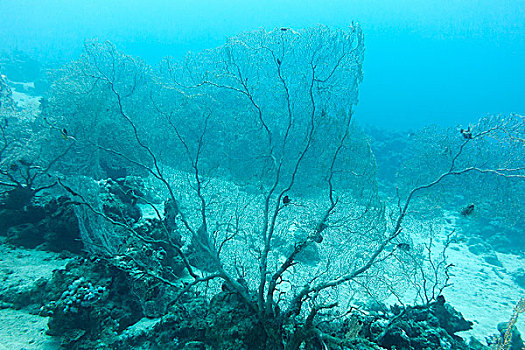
(49, 223)
(449, 318)
(25, 235)
(90, 302)
(9, 218)
(60, 227)
(182, 327)
(395, 336)
(476, 344)
(31, 214)
(467, 210)
(18, 198)
(232, 325)
(430, 326)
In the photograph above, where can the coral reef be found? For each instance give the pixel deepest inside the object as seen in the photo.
(48, 222)
(228, 201)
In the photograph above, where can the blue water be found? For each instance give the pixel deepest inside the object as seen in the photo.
(445, 62)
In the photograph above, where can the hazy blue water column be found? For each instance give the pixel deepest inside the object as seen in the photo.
(426, 61)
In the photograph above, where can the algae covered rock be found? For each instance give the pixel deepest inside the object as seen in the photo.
(432, 326)
(91, 302)
(48, 222)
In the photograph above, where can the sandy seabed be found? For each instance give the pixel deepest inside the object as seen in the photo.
(485, 294)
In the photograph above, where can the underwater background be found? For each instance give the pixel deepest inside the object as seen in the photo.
(426, 62)
(262, 175)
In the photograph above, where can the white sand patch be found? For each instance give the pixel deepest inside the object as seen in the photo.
(19, 269)
(20, 330)
(485, 294)
(22, 267)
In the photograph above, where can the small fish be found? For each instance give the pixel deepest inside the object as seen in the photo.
(64, 134)
(467, 134)
(468, 210)
(284, 29)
